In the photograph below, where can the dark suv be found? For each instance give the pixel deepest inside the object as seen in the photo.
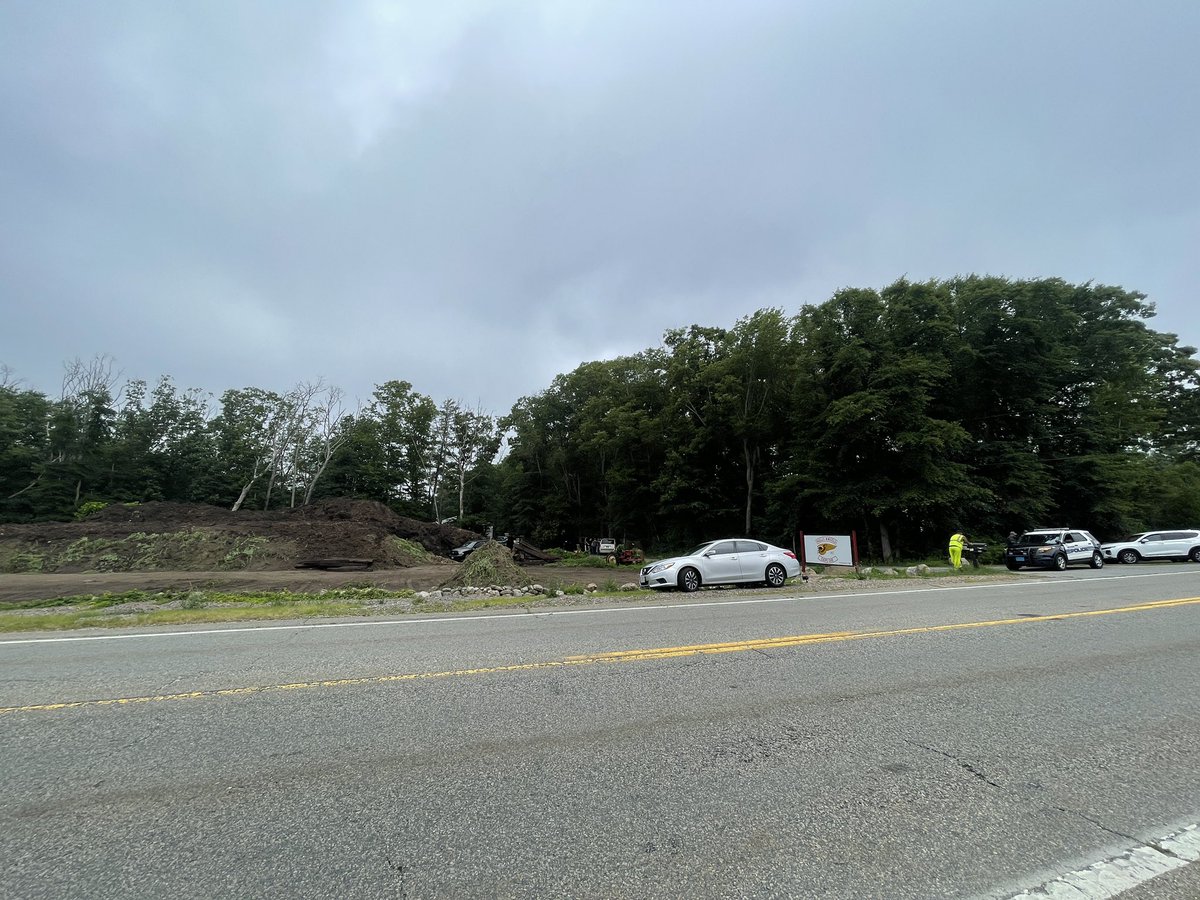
(461, 553)
(1054, 548)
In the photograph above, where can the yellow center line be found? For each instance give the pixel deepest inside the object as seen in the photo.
(652, 653)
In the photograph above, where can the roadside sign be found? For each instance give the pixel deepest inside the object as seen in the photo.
(830, 549)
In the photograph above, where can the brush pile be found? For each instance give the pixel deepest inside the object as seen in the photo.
(492, 564)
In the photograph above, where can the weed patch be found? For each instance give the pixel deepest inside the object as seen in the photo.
(243, 552)
(22, 561)
(408, 552)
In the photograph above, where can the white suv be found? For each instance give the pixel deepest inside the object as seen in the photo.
(1180, 545)
(1054, 548)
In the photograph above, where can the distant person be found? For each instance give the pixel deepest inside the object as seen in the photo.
(1012, 539)
(956, 548)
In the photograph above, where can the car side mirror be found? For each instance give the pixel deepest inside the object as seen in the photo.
(710, 552)
(1144, 541)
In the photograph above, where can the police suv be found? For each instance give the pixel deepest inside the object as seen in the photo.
(1054, 548)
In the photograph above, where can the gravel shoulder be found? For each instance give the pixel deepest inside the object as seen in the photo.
(37, 586)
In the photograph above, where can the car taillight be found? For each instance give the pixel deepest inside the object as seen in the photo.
(789, 553)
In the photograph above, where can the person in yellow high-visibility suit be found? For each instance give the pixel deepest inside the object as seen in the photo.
(956, 548)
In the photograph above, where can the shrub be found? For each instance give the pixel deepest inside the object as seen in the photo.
(90, 507)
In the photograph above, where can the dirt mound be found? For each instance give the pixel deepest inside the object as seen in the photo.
(491, 564)
(195, 537)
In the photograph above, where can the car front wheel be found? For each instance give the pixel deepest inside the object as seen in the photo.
(776, 575)
(1128, 557)
(1060, 562)
(689, 580)
(1097, 560)
(1012, 566)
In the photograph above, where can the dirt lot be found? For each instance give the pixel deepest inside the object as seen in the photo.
(162, 546)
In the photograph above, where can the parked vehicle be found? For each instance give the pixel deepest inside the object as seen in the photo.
(736, 561)
(1177, 545)
(1054, 548)
(461, 553)
(602, 547)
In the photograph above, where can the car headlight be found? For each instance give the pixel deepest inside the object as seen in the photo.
(1045, 549)
(660, 567)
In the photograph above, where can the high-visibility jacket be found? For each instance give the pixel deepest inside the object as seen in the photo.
(957, 540)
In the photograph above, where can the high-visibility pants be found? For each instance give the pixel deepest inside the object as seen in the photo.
(956, 555)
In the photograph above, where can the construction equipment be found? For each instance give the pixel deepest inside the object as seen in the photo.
(525, 553)
(631, 556)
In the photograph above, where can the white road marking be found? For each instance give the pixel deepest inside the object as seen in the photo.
(1116, 874)
(435, 619)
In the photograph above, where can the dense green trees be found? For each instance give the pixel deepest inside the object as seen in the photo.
(253, 447)
(977, 403)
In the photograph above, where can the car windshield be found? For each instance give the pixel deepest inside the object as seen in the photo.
(1134, 537)
(1038, 537)
(696, 551)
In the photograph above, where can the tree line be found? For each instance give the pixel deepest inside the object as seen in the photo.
(975, 403)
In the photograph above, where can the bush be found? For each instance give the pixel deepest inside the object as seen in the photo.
(90, 507)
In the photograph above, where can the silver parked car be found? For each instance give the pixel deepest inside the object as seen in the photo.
(1180, 545)
(729, 561)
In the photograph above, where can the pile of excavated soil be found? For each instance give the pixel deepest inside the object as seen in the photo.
(491, 564)
(194, 537)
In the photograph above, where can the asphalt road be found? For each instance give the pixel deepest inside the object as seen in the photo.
(843, 746)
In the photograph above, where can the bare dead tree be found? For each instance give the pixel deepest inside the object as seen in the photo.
(8, 378)
(443, 428)
(474, 441)
(96, 376)
(286, 425)
(329, 434)
(254, 476)
(247, 417)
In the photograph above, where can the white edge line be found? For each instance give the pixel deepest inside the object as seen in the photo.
(435, 619)
(1116, 874)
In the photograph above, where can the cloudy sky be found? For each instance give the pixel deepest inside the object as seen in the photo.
(475, 196)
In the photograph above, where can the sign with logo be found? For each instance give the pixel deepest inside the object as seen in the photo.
(828, 549)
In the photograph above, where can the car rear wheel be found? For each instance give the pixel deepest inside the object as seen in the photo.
(1097, 560)
(689, 580)
(1060, 561)
(1194, 556)
(776, 575)
(1128, 557)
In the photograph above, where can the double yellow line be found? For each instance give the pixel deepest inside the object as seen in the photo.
(619, 656)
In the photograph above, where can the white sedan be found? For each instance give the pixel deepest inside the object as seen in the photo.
(729, 561)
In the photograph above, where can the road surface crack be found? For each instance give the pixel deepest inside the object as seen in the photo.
(961, 763)
(1153, 845)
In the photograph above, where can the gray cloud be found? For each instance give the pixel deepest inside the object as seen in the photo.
(477, 196)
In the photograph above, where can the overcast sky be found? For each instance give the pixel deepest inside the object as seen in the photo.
(476, 196)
